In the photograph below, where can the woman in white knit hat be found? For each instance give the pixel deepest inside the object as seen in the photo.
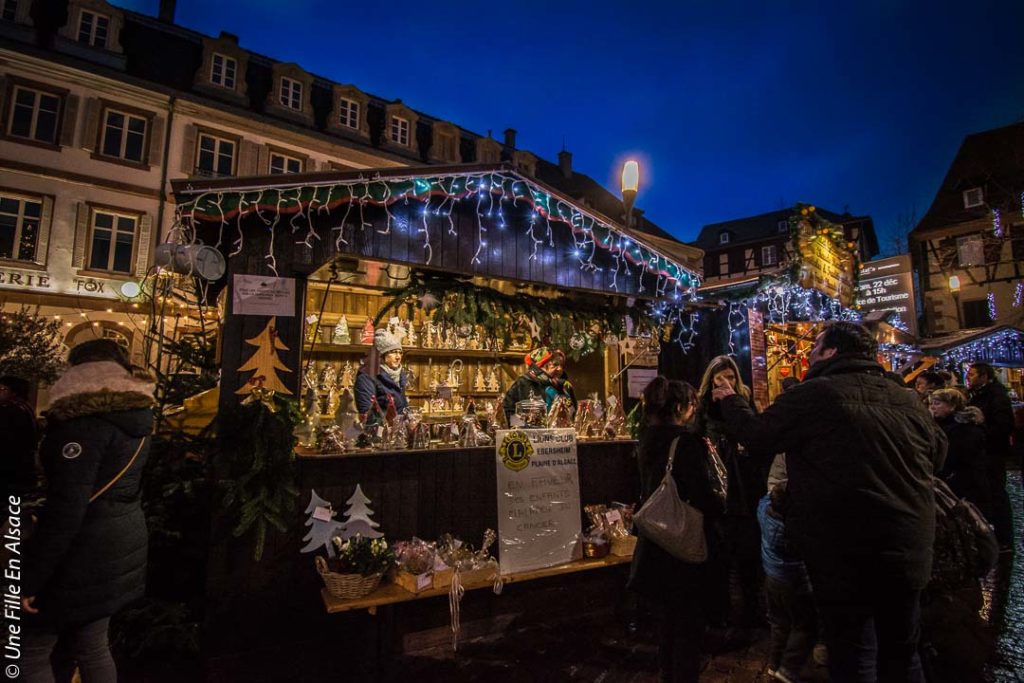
(382, 376)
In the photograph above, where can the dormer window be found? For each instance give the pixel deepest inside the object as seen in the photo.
(723, 238)
(783, 226)
(223, 70)
(291, 94)
(93, 29)
(973, 197)
(348, 112)
(398, 131)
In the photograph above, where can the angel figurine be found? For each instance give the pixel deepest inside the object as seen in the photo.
(347, 379)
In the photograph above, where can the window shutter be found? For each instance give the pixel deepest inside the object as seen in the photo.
(91, 128)
(156, 141)
(262, 160)
(3, 98)
(70, 118)
(46, 215)
(81, 232)
(188, 150)
(142, 249)
(248, 156)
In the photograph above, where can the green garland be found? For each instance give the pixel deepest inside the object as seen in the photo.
(258, 446)
(566, 323)
(822, 229)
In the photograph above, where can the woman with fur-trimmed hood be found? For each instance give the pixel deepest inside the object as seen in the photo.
(87, 557)
(965, 467)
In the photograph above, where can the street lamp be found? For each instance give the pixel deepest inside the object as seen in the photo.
(630, 184)
(954, 289)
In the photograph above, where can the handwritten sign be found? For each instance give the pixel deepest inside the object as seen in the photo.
(258, 295)
(538, 498)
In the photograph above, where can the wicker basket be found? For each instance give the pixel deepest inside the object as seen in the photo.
(346, 586)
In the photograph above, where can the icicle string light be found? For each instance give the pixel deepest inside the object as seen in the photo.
(491, 193)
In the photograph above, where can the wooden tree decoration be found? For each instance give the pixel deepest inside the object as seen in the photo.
(265, 363)
(321, 530)
(358, 514)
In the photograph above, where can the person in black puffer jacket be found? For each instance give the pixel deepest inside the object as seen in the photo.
(966, 467)
(861, 452)
(680, 591)
(87, 557)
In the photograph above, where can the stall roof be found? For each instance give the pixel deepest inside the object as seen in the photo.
(221, 199)
(998, 345)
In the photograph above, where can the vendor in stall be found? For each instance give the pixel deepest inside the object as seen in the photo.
(544, 377)
(382, 375)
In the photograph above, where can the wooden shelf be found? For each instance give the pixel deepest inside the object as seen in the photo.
(391, 593)
(417, 352)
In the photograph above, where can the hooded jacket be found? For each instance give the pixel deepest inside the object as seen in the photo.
(87, 560)
(965, 469)
(860, 453)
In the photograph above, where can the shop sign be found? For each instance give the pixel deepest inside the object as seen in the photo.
(46, 282)
(888, 285)
(825, 267)
(538, 498)
(259, 295)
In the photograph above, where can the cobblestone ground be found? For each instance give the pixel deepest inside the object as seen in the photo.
(975, 636)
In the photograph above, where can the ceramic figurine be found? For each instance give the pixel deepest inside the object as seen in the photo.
(341, 334)
(366, 336)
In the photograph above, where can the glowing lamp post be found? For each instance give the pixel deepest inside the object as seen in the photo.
(630, 184)
(954, 289)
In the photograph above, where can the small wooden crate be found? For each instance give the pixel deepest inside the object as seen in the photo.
(623, 547)
(443, 578)
(414, 583)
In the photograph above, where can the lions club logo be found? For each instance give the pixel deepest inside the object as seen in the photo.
(71, 450)
(516, 451)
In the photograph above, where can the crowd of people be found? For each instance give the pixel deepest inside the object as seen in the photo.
(829, 522)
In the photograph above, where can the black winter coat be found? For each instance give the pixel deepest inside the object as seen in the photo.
(655, 573)
(994, 401)
(747, 471)
(18, 462)
(860, 454)
(381, 387)
(87, 560)
(966, 466)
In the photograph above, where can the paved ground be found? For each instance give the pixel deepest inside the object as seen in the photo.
(977, 636)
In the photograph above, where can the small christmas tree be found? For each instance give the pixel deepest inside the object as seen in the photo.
(30, 346)
(264, 362)
(321, 531)
(357, 517)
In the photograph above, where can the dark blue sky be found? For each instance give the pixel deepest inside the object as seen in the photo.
(733, 108)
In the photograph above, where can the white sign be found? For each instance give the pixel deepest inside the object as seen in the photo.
(538, 498)
(62, 283)
(259, 295)
(637, 380)
(888, 285)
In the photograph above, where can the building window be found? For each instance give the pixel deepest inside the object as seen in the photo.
(723, 264)
(291, 94)
(973, 197)
(93, 28)
(216, 156)
(19, 227)
(222, 71)
(112, 242)
(124, 136)
(782, 226)
(8, 9)
(34, 115)
(348, 113)
(280, 163)
(970, 250)
(976, 313)
(768, 256)
(399, 131)
(723, 238)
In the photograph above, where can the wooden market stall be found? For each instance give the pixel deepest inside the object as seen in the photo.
(477, 264)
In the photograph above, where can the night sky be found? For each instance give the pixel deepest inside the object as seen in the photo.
(733, 108)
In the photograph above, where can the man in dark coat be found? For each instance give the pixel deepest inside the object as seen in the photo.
(87, 557)
(19, 429)
(988, 394)
(860, 452)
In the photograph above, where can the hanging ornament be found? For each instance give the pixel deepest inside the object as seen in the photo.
(611, 339)
(428, 301)
(577, 341)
